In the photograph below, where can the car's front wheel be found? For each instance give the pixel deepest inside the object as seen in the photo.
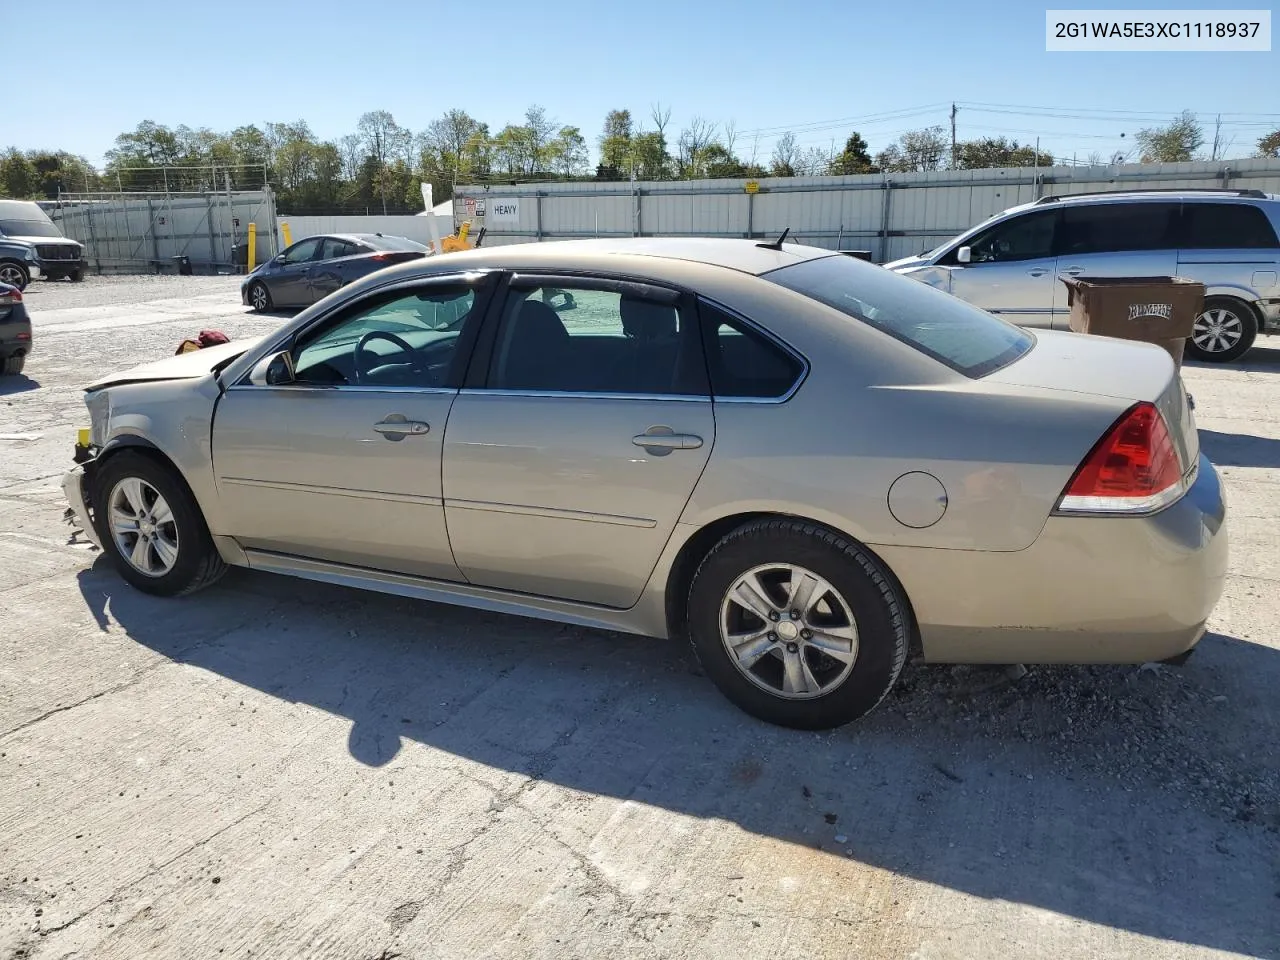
(12, 366)
(1224, 331)
(14, 274)
(152, 528)
(259, 296)
(797, 625)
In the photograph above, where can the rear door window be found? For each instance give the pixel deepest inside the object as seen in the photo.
(1226, 226)
(1117, 228)
(562, 338)
(968, 340)
(334, 248)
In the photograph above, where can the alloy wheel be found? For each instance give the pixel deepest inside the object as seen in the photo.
(11, 275)
(788, 631)
(142, 527)
(1217, 330)
(258, 297)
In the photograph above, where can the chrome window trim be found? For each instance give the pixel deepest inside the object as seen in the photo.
(278, 343)
(585, 395)
(344, 387)
(773, 338)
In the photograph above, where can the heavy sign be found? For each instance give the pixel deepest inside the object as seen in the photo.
(503, 210)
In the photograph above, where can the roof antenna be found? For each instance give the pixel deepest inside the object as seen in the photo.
(775, 244)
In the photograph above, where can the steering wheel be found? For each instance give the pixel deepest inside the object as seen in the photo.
(415, 363)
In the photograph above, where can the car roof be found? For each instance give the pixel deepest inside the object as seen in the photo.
(746, 256)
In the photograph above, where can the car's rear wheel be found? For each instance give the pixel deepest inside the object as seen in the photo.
(797, 625)
(1224, 330)
(75, 276)
(14, 274)
(152, 527)
(259, 296)
(12, 366)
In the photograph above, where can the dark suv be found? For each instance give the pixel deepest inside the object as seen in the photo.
(31, 246)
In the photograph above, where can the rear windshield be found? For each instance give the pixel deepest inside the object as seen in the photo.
(966, 339)
(394, 243)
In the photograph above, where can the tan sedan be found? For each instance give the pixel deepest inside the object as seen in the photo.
(802, 462)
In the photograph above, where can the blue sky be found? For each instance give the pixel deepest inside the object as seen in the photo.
(819, 68)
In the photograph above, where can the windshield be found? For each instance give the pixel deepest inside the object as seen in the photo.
(966, 339)
(29, 228)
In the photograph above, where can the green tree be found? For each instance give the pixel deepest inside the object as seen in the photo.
(615, 141)
(19, 178)
(998, 152)
(652, 161)
(718, 162)
(1269, 146)
(1175, 143)
(854, 158)
(566, 153)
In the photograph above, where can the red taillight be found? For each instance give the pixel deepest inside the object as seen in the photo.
(1133, 469)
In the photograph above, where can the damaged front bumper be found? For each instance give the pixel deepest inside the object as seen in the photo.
(75, 487)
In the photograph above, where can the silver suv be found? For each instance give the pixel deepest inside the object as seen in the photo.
(1226, 239)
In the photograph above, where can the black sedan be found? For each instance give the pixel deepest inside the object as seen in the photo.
(15, 330)
(313, 268)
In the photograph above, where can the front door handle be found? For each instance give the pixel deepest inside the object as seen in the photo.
(661, 440)
(1037, 272)
(397, 427)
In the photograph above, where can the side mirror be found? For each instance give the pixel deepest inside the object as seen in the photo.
(271, 370)
(964, 255)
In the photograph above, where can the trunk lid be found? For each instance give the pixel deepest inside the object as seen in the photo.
(1107, 367)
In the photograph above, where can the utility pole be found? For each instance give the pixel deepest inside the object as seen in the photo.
(1217, 137)
(953, 136)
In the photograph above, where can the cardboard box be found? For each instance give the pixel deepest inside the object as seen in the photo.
(1159, 310)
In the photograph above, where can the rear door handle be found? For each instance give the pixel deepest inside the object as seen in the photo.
(1071, 272)
(396, 427)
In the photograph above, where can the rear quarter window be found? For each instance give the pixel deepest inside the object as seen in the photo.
(1226, 226)
(968, 340)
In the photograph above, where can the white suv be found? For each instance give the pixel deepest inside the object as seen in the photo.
(1226, 239)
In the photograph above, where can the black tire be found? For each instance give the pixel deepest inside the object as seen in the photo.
(879, 615)
(75, 276)
(15, 274)
(12, 366)
(1236, 318)
(198, 564)
(259, 297)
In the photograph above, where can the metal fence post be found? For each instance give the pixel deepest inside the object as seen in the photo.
(537, 206)
(93, 239)
(208, 219)
(884, 222)
(751, 215)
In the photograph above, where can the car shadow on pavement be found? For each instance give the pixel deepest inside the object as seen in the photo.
(1144, 799)
(17, 384)
(1240, 449)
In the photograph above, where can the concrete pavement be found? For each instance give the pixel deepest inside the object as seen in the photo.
(273, 768)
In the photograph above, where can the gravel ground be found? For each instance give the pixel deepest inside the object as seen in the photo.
(279, 768)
